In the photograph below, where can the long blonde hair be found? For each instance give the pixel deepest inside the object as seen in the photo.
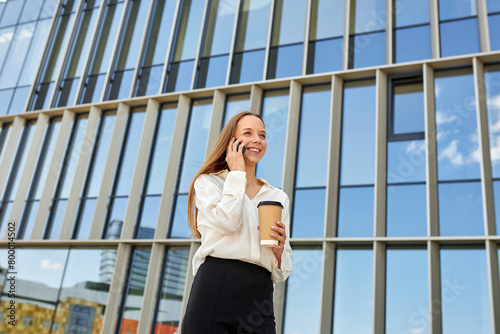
(215, 162)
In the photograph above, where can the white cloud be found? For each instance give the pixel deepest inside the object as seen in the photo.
(416, 330)
(494, 102)
(451, 153)
(441, 118)
(48, 264)
(415, 147)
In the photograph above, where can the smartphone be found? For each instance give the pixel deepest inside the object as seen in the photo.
(238, 147)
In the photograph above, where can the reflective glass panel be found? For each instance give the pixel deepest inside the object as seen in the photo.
(161, 148)
(303, 299)
(149, 80)
(367, 15)
(407, 291)
(194, 151)
(252, 25)
(247, 66)
(275, 116)
(496, 196)
(118, 207)
(285, 61)
(456, 126)
(409, 12)
(406, 161)
(356, 205)
(168, 307)
(212, 72)
(353, 296)
(35, 52)
(465, 300)
(314, 136)
(406, 211)
(4, 216)
(219, 32)
(459, 37)
(188, 30)
(12, 12)
(494, 25)
(327, 19)
(6, 96)
(6, 35)
(82, 229)
(460, 209)
(493, 6)
(358, 134)
(492, 81)
(134, 290)
(455, 9)
(180, 228)
(19, 100)
(408, 108)
(38, 280)
(85, 289)
(52, 231)
(179, 76)
(31, 11)
(309, 213)
(28, 220)
(4, 136)
(289, 22)
(325, 56)
(236, 104)
(130, 147)
(367, 50)
(149, 214)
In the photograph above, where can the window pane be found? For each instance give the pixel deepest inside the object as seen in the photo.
(459, 37)
(19, 100)
(355, 212)
(358, 134)
(180, 228)
(148, 216)
(168, 308)
(6, 97)
(165, 122)
(314, 136)
(455, 9)
(28, 220)
(236, 104)
(6, 208)
(412, 44)
(407, 291)
(134, 290)
(275, 115)
(353, 304)
(492, 83)
(409, 12)
(493, 6)
(179, 76)
(82, 229)
(118, 207)
(406, 211)
(35, 52)
(308, 220)
(149, 80)
(84, 289)
(212, 72)
(252, 25)
(285, 61)
(464, 291)
(12, 12)
(460, 209)
(367, 50)
(367, 15)
(408, 108)
(194, 151)
(303, 299)
(456, 126)
(6, 35)
(289, 22)
(219, 32)
(406, 161)
(31, 11)
(53, 230)
(327, 19)
(188, 30)
(496, 196)
(325, 56)
(4, 136)
(494, 23)
(247, 66)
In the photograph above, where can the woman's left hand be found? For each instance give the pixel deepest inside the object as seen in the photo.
(280, 235)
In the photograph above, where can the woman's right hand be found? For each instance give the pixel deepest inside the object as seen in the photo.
(234, 157)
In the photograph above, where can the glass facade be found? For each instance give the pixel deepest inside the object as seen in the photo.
(383, 127)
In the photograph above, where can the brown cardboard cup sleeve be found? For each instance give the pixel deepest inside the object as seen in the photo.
(269, 214)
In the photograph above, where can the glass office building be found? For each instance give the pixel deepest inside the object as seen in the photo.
(383, 123)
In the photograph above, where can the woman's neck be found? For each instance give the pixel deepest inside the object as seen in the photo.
(250, 171)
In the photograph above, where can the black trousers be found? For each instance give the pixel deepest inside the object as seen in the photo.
(230, 297)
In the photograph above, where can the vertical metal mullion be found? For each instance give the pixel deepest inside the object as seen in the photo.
(143, 46)
(347, 27)
(434, 23)
(332, 183)
(88, 57)
(41, 64)
(269, 38)
(484, 147)
(482, 20)
(380, 155)
(116, 49)
(327, 288)
(233, 42)
(171, 40)
(140, 167)
(215, 119)
(435, 302)
(494, 283)
(256, 99)
(389, 26)
(10, 149)
(52, 175)
(66, 52)
(306, 37)
(200, 43)
(172, 166)
(379, 273)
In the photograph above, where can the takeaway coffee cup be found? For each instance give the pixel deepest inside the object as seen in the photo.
(269, 214)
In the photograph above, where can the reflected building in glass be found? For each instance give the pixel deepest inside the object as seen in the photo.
(383, 127)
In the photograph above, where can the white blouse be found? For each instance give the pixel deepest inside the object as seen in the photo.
(228, 221)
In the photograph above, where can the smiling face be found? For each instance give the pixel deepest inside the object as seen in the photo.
(251, 132)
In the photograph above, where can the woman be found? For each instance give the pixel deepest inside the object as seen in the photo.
(232, 291)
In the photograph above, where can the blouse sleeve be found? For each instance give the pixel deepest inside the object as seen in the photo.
(221, 210)
(279, 275)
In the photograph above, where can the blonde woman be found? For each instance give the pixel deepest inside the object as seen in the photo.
(232, 290)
